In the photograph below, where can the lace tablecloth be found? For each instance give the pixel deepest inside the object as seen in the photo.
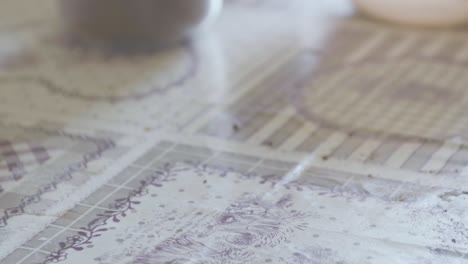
(289, 132)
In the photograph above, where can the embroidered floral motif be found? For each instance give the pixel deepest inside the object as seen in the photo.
(249, 224)
(118, 210)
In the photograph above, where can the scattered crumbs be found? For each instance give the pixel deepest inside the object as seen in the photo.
(401, 198)
(453, 240)
(205, 181)
(325, 158)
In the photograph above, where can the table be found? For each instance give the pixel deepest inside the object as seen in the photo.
(288, 132)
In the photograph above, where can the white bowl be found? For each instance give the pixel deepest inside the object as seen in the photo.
(432, 13)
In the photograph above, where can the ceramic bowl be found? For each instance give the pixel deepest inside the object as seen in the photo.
(432, 13)
(136, 21)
